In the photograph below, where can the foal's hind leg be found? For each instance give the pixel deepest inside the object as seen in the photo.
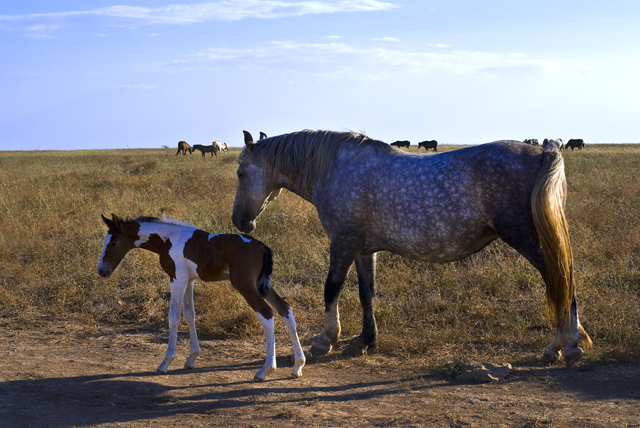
(285, 311)
(190, 316)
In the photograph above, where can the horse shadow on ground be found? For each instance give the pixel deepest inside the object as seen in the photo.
(122, 398)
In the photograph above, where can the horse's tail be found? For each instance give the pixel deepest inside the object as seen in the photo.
(547, 205)
(264, 280)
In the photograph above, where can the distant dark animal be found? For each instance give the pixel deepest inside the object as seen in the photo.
(557, 143)
(532, 141)
(262, 135)
(575, 143)
(213, 149)
(403, 143)
(433, 144)
(183, 148)
(188, 253)
(460, 201)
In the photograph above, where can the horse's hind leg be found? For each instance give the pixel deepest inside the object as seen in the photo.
(570, 338)
(177, 294)
(190, 316)
(285, 311)
(368, 339)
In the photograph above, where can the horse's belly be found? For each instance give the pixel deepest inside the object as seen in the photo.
(438, 246)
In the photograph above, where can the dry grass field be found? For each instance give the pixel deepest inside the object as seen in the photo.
(490, 304)
(79, 350)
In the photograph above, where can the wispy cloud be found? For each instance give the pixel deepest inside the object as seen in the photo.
(183, 14)
(342, 60)
(386, 39)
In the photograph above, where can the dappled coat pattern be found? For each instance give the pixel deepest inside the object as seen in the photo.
(442, 207)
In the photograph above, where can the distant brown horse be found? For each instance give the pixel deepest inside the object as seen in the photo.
(213, 149)
(184, 147)
(433, 144)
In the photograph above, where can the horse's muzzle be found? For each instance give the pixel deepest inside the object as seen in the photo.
(244, 225)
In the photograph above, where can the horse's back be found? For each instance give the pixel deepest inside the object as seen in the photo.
(435, 207)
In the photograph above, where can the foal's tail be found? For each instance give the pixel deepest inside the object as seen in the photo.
(264, 280)
(547, 204)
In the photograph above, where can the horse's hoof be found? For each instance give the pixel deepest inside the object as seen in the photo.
(354, 350)
(160, 372)
(189, 367)
(295, 376)
(257, 379)
(319, 348)
(549, 358)
(572, 355)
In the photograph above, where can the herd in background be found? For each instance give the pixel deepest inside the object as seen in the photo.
(217, 147)
(559, 143)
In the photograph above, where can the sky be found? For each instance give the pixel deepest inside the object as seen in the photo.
(96, 74)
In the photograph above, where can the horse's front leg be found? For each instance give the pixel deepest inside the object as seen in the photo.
(190, 315)
(178, 287)
(368, 339)
(341, 258)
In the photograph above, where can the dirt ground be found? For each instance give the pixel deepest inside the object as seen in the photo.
(61, 375)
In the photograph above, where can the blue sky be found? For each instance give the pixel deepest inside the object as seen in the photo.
(87, 74)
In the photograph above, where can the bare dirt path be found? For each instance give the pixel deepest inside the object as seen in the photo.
(62, 376)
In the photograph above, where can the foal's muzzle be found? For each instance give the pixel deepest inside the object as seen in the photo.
(104, 271)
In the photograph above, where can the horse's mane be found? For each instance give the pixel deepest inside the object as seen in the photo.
(306, 156)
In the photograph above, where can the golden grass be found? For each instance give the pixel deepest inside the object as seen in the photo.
(491, 303)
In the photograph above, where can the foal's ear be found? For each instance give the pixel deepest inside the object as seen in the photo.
(115, 220)
(106, 221)
(248, 140)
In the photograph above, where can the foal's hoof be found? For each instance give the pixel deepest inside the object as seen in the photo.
(257, 379)
(572, 355)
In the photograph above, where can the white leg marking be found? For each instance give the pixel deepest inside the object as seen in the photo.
(298, 354)
(270, 364)
(190, 315)
(177, 294)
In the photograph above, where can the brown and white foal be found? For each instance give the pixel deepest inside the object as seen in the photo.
(188, 253)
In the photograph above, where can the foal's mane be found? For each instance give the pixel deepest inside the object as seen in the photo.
(307, 156)
(145, 219)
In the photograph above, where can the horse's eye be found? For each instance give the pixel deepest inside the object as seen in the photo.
(112, 243)
(240, 175)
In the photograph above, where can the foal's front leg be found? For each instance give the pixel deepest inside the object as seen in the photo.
(190, 315)
(178, 287)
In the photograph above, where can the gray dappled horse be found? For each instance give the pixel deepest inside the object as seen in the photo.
(434, 207)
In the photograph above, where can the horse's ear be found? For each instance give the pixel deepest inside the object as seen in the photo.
(248, 140)
(263, 135)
